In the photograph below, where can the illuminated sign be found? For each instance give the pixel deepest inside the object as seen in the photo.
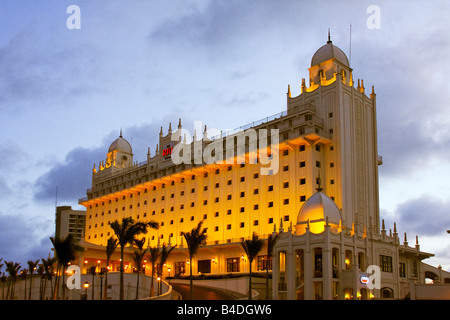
(364, 279)
(167, 151)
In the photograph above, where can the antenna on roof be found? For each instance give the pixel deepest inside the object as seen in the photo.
(329, 37)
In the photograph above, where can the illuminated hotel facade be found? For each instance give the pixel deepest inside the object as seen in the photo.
(323, 150)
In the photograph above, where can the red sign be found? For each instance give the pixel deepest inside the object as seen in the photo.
(167, 152)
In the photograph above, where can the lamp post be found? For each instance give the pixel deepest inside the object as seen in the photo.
(101, 274)
(93, 279)
(168, 269)
(86, 286)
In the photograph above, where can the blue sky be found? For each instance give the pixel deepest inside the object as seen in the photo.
(138, 65)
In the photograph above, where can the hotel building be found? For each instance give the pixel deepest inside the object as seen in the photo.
(324, 185)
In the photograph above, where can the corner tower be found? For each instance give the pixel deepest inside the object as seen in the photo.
(344, 129)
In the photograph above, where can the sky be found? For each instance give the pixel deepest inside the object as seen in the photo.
(138, 65)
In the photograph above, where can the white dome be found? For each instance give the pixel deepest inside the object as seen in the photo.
(316, 210)
(327, 52)
(121, 145)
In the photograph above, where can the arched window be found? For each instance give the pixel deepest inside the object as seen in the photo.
(387, 293)
(318, 270)
(335, 262)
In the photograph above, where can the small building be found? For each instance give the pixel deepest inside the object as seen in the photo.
(69, 221)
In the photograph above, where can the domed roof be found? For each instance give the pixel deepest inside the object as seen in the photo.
(317, 209)
(120, 144)
(328, 52)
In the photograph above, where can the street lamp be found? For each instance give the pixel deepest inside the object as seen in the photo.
(168, 269)
(86, 286)
(101, 274)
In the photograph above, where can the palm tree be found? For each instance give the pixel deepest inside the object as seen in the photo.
(163, 258)
(154, 255)
(273, 237)
(138, 257)
(31, 267)
(65, 252)
(194, 239)
(110, 248)
(252, 248)
(126, 231)
(48, 276)
(13, 269)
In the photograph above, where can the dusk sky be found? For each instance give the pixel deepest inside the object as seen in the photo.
(138, 65)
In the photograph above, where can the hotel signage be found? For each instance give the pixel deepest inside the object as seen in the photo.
(167, 151)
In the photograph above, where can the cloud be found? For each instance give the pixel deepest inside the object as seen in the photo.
(73, 176)
(24, 238)
(426, 216)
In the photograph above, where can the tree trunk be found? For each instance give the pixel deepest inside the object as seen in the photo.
(31, 285)
(152, 290)
(191, 282)
(137, 286)
(121, 295)
(250, 282)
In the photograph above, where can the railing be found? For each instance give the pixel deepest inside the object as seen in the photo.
(249, 125)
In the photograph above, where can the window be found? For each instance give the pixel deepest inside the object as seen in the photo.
(242, 194)
(264, 263)
(285, 152)
(286, 184)
(255, 175)
(255, 222)
(233, 265)
(302, 198)
(270, 204)
(402, 269)
(331, 164)
(302, 164)
(229, 182)
(286, 218)
(242, 179)
(286, 168)
(228, 211)
(270, 220)
(302, 147)
(241, 209)
(204, 266)
(302, 181)
(242, 224)
(255, 207)
(270, 188)
(386, 263)
(318, 164)
(286, 201)
(229, 197)
(228, 226)
(255, 191)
